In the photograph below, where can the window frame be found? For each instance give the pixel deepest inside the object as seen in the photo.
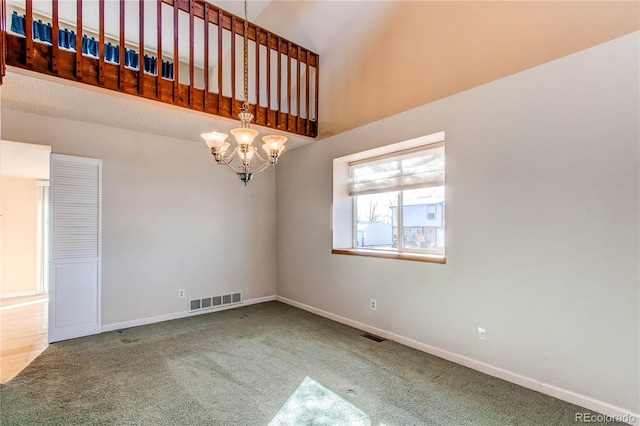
(344, 205)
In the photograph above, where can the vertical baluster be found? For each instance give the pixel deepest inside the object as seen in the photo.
(176, 57)
(219, 61)
(298, 91)
(315, 112)
(278, 111)
(79, 39)
(268, 79)
(3, 41)
(159, 64)
(55, 36)
(28, 30)
(141, 53)
(101, 43)
(288, 83)
(257, 72)
(307, 69)
(205, 104)
(191, 53)
(122, 47)
(233, 64)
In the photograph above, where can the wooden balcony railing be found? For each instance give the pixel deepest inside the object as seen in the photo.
(182, 52)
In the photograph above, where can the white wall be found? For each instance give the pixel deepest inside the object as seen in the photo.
(542, 228)
(18, 211)
(24, 160)
(172, 218)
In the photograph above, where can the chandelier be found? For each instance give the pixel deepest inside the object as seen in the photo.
(249, 160)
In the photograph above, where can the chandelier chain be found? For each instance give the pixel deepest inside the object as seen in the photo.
(245, 104)
(244, 150)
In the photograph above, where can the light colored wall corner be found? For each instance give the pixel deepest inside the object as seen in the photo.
(172, 218)
(19, 235)
(543, 197)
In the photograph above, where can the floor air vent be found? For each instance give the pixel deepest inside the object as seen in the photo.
(214, 302)
(374, 337)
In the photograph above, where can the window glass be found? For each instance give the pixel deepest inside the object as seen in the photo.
(374, 219)
(423, 227)
(420, 222)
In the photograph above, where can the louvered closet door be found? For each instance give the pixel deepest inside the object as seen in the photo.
(76, 201)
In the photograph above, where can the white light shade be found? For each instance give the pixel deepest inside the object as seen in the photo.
(214, 139)
(267, 149)
(244, 135)
(224, 147)
(275, 142)
(248, 154)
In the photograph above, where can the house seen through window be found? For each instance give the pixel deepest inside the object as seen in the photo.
(399, 201)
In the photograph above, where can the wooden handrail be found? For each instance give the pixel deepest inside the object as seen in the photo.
(281, 100)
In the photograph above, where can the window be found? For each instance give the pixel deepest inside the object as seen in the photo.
(416, 177)
(396, 200)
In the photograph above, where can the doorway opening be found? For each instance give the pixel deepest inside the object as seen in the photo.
(24, 255)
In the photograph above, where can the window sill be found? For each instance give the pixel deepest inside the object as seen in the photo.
(430, 258)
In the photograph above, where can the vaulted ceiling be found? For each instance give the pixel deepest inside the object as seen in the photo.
(379, 58)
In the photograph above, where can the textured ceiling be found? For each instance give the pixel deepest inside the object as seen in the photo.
(38, 94)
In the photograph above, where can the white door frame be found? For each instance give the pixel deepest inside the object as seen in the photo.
(42, 266)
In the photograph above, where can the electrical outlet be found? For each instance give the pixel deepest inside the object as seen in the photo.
(374, 304)
(181, 293)
(482, 332)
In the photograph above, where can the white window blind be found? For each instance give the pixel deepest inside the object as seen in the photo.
(415, 168)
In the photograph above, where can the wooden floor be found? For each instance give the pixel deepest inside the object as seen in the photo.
(23, 333)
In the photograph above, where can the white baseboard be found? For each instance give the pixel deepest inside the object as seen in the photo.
(563, 394)
(18, 294)
(177, 315)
